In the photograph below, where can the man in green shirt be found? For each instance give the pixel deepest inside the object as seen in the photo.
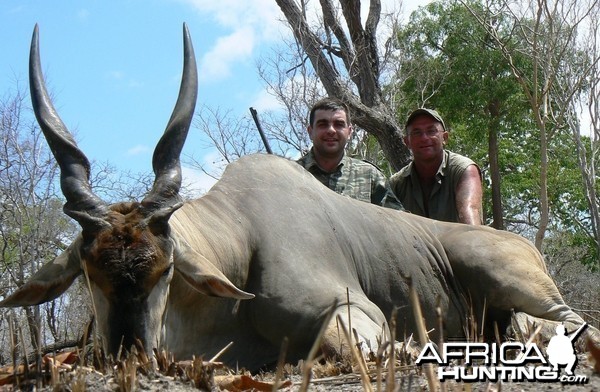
(438, 183)
(329, 129)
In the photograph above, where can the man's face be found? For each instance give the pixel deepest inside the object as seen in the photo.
(425, 137)
(329, 132)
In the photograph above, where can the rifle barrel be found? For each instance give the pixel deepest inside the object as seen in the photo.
(576, 333)
(260, 130)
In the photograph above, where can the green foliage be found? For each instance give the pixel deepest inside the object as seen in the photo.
(450, 63)
(477, 93)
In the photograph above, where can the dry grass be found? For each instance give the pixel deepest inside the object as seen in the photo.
(379, 372)
(72, 369)
(391, 368)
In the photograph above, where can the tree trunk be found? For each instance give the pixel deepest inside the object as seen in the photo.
(588, 174)
(359, 56)
(544, 205)
(497, 215)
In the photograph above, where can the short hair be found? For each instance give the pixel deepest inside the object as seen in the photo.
(332, 104)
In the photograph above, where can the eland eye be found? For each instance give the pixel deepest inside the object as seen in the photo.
(168, 270)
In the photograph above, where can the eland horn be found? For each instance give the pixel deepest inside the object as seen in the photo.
(82, 204)
(164, 195)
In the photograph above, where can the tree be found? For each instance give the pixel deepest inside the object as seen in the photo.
(449, 58)
(447, 61)
(345, 56)
(587, 139)
(231, 137)
(547, 33)
(295, 86)
(33, 227)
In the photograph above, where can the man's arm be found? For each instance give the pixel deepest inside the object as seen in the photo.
(469, 195)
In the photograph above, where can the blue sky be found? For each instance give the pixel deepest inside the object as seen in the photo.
(114, 67)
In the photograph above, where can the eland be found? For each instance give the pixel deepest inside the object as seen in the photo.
(266, 252)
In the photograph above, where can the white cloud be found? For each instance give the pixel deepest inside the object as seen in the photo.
(252, 24)
(262, 16)
(236, 47)
(264, 101)
(249, 25)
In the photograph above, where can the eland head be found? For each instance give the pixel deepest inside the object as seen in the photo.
(125, 249)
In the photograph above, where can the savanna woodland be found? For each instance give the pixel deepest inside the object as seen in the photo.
(518, 83)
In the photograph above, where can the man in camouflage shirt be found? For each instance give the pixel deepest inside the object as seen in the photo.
(329, 129)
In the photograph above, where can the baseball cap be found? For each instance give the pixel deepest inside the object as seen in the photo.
(430, 112)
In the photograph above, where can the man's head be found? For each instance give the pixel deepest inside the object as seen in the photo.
(329, 128)
(331, 104)
(425, 135)
(427, 112)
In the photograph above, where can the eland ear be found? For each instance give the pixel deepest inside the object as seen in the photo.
(53, 279)
(201, 274)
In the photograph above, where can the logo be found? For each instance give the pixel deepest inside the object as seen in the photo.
(508, 361)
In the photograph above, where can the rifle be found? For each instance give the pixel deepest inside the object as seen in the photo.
(260, 130)
(576, 333)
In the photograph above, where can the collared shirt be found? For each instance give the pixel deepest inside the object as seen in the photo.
(354, 178)
(442, 201)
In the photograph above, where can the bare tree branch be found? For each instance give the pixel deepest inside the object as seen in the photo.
(360, 88)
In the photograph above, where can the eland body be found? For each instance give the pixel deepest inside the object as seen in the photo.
(264, 255)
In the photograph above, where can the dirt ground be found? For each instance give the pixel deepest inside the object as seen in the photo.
(408, 378)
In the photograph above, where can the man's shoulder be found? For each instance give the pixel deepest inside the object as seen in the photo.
(360, 161)
(402, 173)
(457, 165)
(302, 160)
(460, 160)
(307, 160)
(362, 165)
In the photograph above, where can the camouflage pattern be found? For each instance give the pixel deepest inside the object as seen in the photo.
(354, 178)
